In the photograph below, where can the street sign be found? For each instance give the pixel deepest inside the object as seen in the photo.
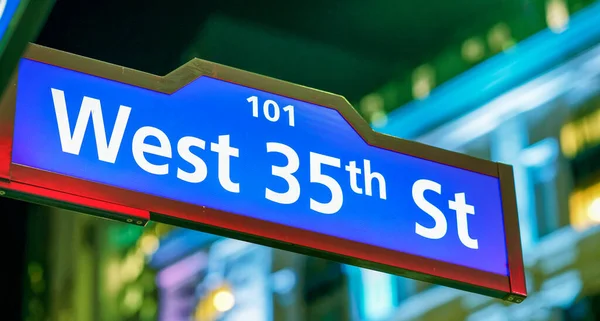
(20, 21)
(250, 157)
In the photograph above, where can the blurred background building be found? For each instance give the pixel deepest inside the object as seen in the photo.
(515, 81)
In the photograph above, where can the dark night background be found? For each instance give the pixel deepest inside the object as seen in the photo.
(349, 47)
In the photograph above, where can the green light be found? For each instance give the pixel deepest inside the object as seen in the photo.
(124, 235)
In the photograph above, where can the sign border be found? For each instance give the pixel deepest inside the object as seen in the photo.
(102, 200)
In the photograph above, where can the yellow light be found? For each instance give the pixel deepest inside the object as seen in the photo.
(223, 300)
(421, 89)
(568, 140)
(161, 229)
(149, 244)
(113, 276)
(423, 79)
(557, 15)
(204, 311)
(591, 130)
(580, 134)
(499, 37)
(595, 124)
(584, 207)
(371, 103)
(473, 50)
(594, 210)
(133, 299)
(132, 266)
(379, 119)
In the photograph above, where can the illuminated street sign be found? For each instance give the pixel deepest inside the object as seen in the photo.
(258, 159)
(20, 20)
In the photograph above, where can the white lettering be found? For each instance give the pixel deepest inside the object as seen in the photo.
(139, 147)
(337, 197)
(267, 110)
(200, 170)
(71, 142)
(462, 209)
(225, 152)
(290, 110)
(287, 173)
(354, 172)
(441, 225)
(369, 178)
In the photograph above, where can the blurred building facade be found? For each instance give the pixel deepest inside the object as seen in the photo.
(546, 124)
(548, 127)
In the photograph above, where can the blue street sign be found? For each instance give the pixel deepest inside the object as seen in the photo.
(246, 151)
(264, 156)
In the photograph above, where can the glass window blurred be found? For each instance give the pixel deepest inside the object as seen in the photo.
(580, 142)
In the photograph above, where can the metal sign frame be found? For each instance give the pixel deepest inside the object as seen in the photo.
(53, 189)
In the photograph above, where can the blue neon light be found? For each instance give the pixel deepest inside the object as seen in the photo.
(495, 76)
(7, 12)
(230, 169)
(178, 244)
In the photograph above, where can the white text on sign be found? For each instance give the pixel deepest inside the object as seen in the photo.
(108, 149)
(360, 173)
(459, 205)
